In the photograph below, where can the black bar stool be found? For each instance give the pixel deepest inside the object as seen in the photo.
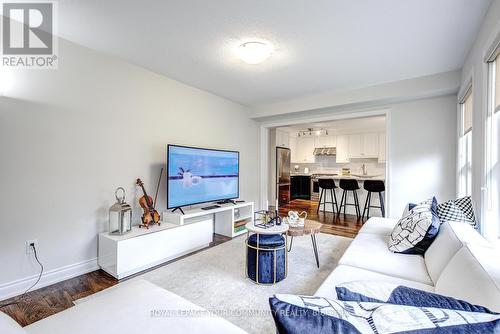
(324, 185)
(374, 186)
(349, 185)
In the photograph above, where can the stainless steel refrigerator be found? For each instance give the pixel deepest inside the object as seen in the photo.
(283, 174)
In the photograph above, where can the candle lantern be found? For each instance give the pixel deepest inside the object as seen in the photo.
(120, 214)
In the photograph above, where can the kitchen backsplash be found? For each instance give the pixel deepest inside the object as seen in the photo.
(326, 164)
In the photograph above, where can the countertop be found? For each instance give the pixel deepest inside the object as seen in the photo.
(355, 177)
(338, 177)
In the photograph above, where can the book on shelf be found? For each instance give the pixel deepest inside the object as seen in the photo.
(239, 228)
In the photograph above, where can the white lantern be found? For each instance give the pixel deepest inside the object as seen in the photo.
(120, 215)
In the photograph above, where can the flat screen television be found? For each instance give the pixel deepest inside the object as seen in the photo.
(199, 175)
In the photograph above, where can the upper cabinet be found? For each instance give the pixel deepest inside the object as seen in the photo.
(294, 158)
(305, 150)
(342, 144)
(370, 145)
(282, 139)
(364, 145)
(381, 147)
(325, 141)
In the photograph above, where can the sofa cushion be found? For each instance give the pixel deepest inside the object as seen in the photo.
(137, 306)
(369, 251)
(414, 233)
(9, 326)
(473, 274)
(377, 225)
(451, 237)
(384, 292)
(302, 314)
(344, 274)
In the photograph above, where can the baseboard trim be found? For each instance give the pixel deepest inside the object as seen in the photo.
(17, 287)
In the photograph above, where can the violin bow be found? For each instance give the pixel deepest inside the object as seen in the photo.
(158, 187)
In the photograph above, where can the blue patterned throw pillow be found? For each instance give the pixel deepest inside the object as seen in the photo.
(415, 232)
(386, 292)
(301, 314)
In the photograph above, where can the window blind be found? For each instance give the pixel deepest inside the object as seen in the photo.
(467, 112)
(496, 82)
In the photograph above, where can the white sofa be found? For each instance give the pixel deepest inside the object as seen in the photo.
(459, 263)
(127, 309)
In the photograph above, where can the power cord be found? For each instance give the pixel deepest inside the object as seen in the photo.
(33, 285)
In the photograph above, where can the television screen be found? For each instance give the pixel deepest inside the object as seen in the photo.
(197, 175)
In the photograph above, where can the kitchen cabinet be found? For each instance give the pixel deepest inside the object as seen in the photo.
(355, 146)
(381, 147)
(363, 145)
(305, 150)
(370, 145)
(325, 141)
(300, 187)
(293, 150)
(342, 144)
(282, 139)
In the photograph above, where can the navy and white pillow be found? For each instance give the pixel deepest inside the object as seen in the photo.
(459, 210)
(386, 292)
(415, 232)
(300, 314)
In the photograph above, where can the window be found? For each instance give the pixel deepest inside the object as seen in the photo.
(465, 166)
(492, 148)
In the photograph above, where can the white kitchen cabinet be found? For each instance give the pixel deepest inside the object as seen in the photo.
(320, 141)
(342, 144)
(282, 139)
(381, 147)
(370, 145)
(355, 146)
(305, 150)
(364, 145)
(331, 141)
(294, 157)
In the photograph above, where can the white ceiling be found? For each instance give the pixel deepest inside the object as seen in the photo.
(351, 124)
(322, 45)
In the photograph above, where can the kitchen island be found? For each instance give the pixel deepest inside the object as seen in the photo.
(362, 193)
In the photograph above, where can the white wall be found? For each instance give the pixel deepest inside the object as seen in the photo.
(69, 137)
(476, 68)
(422, 149)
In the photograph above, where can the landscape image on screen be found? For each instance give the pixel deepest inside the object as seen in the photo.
(197, 175)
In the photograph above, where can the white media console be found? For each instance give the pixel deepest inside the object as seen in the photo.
(178, 234)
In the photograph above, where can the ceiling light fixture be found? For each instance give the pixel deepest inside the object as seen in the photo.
(255, 52)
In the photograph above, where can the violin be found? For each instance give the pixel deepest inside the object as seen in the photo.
(150, 215)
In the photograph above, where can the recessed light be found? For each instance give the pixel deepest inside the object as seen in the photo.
(255, 52)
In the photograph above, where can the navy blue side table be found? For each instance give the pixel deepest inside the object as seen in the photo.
(267, 256)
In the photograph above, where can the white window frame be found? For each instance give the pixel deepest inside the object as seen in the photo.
(464, 146)
(491, 158)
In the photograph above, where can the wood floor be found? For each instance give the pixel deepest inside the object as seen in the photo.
(55, 298)
(347, 226)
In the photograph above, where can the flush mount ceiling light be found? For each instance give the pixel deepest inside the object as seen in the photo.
(254, 52)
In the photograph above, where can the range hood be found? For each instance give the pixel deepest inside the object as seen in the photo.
(329, 151)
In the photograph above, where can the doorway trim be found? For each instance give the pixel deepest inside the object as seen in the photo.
(265, 126)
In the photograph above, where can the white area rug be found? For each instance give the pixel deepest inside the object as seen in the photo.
(215, 279)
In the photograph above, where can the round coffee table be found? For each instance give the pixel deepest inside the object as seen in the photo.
(310, 228)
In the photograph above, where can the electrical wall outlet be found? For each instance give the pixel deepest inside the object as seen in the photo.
(29, 249)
